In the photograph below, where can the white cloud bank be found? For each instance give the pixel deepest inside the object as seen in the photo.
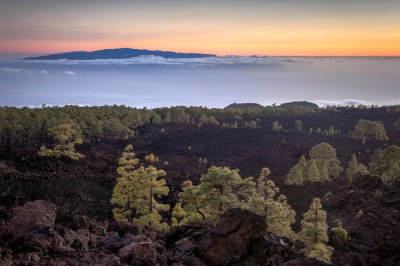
(158, 60)
(15, 70)
(70, 73)
(344, 102)
(44, 72)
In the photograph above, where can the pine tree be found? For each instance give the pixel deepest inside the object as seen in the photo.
(295, 176)
(324, 172)
(66, 136)
(277, 213)
(219, 190)
(298, 124)
(150, 184)
(221, 186)
(280, 216)
(124, 193)
(354, 168)
(276, 126)
(313, 173)
(298, 174)
(266, 188)
(331, 131)
(194, 202)
(370, 129)
(314, 233)
(134, 194)
(178, 215)
(303, 165)
(386, 164)
(324, 153)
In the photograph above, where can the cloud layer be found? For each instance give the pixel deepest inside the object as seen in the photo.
(212, 82)
(15, 70)
(344, 102)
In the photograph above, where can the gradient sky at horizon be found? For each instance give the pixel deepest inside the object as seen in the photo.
(261, 27)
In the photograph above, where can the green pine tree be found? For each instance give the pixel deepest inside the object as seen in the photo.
(331, 131)
(66, 136)
(298, 174)
(134, 195)
(324, 172)
(124, 193)
(219, 190)
(314, 233)
(265, 190)
(386, 164)
(354, 168)
(324, 153)
(178, 215)
(150, 185)
(313, 173)
(277, 213)
(280, 216)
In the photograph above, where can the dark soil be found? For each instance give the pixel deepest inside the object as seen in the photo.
(84, 187)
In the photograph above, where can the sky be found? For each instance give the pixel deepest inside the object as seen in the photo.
(222, 27)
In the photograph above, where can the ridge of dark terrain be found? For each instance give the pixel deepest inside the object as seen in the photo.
(83, 188)
(300, 104)
(118, 53)
(243, 105)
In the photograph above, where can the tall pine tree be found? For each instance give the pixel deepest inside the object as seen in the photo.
(135, 194)
(219, 190)
(124, 193)
(150, 185)
(314, 233)
(325, 154)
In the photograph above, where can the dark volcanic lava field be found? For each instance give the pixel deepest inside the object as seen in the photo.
(84, 187)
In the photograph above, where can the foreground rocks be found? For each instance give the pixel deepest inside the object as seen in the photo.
(32, 237)
(239, 238)
(41, 233)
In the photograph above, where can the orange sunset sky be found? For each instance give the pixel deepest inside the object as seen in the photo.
(284, 27)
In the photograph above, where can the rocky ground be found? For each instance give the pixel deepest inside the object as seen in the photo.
(57, 211)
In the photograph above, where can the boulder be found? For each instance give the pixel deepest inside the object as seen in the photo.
(79, 240)
(240, 238)
(143, 251)
(33, 215)
(230, 240)
(41, 240)
(31, 228)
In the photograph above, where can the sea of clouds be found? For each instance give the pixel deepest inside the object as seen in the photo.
(153, 81)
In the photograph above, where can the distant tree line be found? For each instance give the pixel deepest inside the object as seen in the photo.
(32, 125)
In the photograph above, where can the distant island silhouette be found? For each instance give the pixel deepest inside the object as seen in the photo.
(118, 53)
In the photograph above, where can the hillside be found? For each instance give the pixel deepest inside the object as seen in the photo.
(301, 104)
(243, 105)
(78, 195)
(119, 53)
